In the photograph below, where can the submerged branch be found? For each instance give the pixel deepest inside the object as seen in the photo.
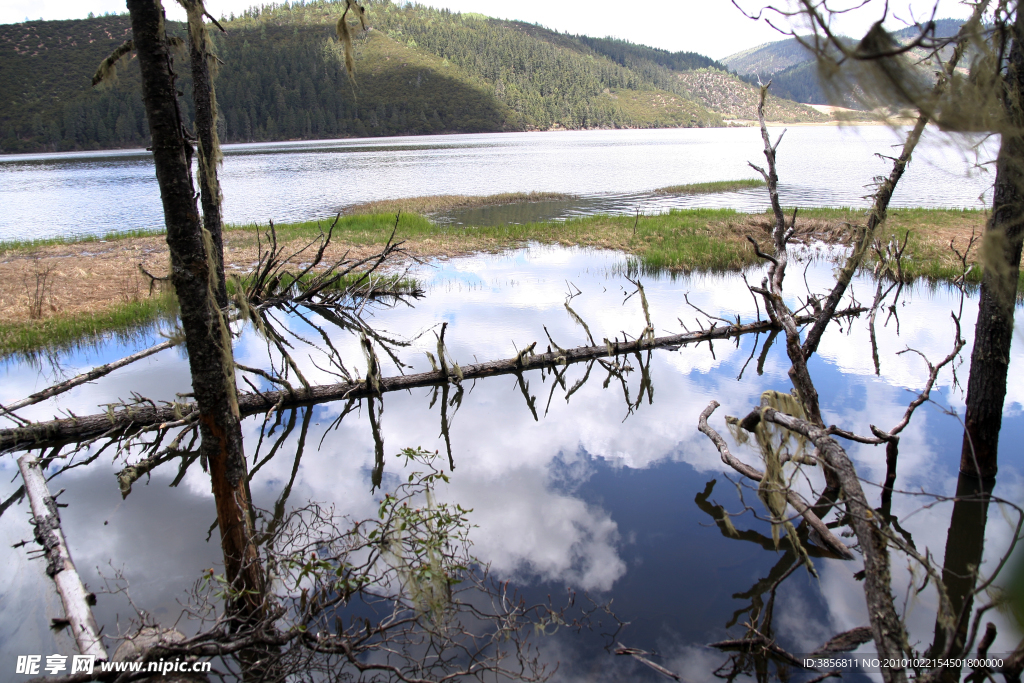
(59, 566)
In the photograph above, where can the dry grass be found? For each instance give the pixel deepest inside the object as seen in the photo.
(711, 187)
(80, 278)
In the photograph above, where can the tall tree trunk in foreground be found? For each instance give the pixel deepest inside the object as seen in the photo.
(205, 100)
(1001, 250)
(207, 337)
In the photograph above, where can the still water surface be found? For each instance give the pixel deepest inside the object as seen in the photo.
(587, 495)
(53, 195)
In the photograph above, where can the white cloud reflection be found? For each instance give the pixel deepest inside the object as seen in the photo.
(538, 489)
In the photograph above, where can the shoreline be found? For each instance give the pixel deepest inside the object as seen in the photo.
(726, 123)
(64, 294)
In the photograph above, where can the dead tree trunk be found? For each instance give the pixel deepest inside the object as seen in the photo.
(80, 427)
(207, 337)
(1001, 251)
(59, 565)
(965, 550)
(205, 100)
(880, 205)
(886, 627)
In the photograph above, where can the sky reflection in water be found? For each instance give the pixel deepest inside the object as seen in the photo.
(587, 496)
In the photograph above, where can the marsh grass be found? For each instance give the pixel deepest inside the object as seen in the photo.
(28, 245)
(690, 241)
(928, 255)
(123, 320)
(449, 202)
(712, 187)
(387, 284)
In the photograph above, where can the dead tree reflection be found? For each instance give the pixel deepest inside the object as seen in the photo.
(961, 568)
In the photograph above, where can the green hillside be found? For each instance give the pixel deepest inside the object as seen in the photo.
(418, 70)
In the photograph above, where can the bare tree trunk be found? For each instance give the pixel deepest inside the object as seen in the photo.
(207, 337)
(965, 550)
(205, 100)
(80, 427)
(886, 627)
(1001, 250)
(880, 206)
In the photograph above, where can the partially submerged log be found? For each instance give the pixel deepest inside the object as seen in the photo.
(75, 428)
(59, 566)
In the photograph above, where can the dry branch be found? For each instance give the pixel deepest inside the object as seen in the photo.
(828, 539)
(886, 626)
(85, 377)
(880, 203)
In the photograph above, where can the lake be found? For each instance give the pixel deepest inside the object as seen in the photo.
(580, 492)
(611, 171)
(589, 482)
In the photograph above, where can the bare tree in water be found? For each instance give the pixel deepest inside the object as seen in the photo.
(987, 97)
(986, 94)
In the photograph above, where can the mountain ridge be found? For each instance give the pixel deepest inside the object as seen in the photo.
(793, 70)
(418, 71)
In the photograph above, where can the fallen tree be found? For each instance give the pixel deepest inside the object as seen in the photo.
(146, 413)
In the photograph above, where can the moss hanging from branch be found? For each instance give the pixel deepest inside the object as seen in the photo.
(107, 70)
(345, 33)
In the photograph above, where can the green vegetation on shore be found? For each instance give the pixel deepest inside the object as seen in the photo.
(28, 245)
(677, 241)
(66, 332)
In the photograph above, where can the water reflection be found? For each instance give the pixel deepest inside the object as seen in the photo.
(576, 483)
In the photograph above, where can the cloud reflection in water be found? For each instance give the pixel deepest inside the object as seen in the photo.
(588, 495)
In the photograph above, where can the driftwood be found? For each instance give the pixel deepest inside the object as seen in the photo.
(59, 566)
(75, 428)
(762, 644)
(638, 655)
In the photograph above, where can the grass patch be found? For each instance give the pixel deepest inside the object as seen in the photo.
(930, 230)
(712, 187)
(363, 229)
(450, 202)
(691, 239)
(67, 332)
(28, 245)
(382, 283)
(702, 240)
(928, 255)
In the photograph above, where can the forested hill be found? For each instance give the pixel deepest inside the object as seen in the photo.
(418, 70)
(794, 71)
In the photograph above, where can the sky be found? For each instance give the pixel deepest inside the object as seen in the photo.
(715, 28)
